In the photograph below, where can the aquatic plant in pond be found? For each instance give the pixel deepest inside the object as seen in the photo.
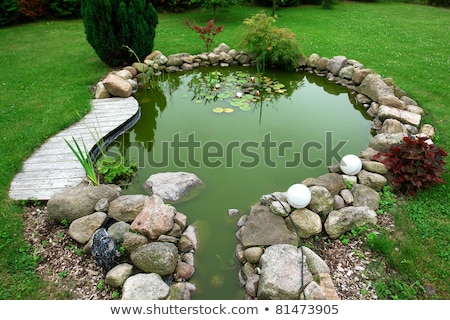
(240, 90)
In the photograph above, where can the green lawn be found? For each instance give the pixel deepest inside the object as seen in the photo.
(47, 68)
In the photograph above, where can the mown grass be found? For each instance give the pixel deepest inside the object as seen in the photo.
(47, 68)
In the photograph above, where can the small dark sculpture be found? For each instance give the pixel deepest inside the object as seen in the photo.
(104, 250)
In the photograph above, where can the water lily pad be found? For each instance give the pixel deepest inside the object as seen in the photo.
(248, 96)
(223, 95)
(245, 107)
(278, 86)
(218, 110)
(228, 110)
(235, 103)
(243, 75)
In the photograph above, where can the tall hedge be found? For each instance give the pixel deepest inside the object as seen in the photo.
(112, 24)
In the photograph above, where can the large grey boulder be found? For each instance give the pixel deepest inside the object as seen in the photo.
(284, 273)
(72, 203)
(374, 87)
(263, 228)
(116, 276)
(316, 265)
(117, 86)
(373, 180)
(126, 207)
(156, 257)
(407, 117)
(364, 196)
(176, 59)
(304, 221)
(348, 218)
(384, 141)
(393, 126)
(334, 182)
(145, 286)
(321, 200)
(82, 229)
(359, 75)
(336, 63)
(174, 187)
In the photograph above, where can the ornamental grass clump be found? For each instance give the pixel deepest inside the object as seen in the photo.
(270, 44)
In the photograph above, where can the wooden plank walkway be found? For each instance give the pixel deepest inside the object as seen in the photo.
(53, 166)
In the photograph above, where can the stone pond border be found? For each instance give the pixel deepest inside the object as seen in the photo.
(394, 115)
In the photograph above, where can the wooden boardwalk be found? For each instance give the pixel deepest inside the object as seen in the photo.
(53, 166)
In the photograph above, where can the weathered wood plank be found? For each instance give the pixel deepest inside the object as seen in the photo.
(53, 166)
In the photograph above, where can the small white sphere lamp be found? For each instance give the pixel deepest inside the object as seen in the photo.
(350, 164)
(298, 195)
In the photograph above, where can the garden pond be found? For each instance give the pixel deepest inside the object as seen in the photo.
(245, 135)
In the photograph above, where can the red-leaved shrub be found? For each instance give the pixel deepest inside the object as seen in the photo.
(32, 9)
(415, 164)
(206, 33)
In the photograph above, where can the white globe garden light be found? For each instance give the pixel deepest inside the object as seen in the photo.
(350, 164)
(298, 195)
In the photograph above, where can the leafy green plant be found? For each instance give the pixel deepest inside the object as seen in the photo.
(380, 242)
(115, 295)
(64, 222)
(397, 289)
(101, 284)
(344, 238)
(77, 250)
(206, 33)
(85, 160)
(387, 200)
(415, 163)
(348, 184)
(63, 274)
(272, 45)
(116, 171)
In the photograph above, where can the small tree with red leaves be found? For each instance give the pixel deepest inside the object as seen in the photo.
(206, 33)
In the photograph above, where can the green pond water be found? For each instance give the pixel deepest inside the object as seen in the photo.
(241, 148)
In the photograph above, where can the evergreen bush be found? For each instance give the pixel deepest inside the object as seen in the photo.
(113, 25)
(65, 8)
(9, 12)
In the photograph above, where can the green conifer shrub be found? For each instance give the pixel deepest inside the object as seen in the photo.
(110, 25)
